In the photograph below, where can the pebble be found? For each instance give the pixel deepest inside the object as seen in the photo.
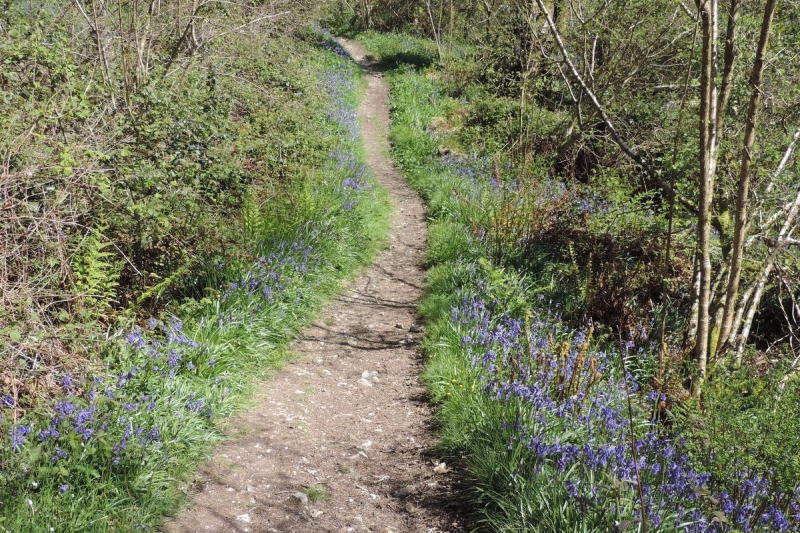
(301, 498)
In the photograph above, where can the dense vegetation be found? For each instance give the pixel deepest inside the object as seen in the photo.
(611, 303)
(566, 261)
(183, 185)
(601, 96)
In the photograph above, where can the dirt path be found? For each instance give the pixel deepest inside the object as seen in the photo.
(339, 440)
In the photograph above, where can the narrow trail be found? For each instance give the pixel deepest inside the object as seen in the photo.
(349, 418)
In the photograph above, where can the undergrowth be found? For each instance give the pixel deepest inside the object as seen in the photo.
(112, 450)
(562, 412)
(133, 137)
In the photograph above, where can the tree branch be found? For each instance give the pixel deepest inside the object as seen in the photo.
(615, 136)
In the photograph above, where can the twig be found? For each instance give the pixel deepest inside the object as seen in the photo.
(237, 28)
(615, 135)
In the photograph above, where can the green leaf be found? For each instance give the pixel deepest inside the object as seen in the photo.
(12, 333)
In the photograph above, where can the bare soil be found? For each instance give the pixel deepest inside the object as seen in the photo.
(340, 440)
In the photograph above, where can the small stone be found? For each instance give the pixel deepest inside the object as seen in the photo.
(399, 326)
(415, 329)
(441, 468)
(243, 518)
(301, 498)
(316, 513)
(365, 382)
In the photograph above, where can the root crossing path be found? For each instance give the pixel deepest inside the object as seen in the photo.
(340, 439)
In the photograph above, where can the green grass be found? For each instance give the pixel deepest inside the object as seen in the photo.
(316, 493)
(153, 418)
(742, 424)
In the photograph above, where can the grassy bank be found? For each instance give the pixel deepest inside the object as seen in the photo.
(558, 421)
(110, 451)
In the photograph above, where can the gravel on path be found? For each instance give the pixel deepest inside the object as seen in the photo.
(340, 440)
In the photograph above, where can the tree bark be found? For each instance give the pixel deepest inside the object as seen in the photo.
(729, 58)
(783, 237)
(743, 189)
(708, 16)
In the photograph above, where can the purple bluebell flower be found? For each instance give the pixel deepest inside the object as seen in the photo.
(18, 437)
(60, 454)
(136, 339)
(67, 384)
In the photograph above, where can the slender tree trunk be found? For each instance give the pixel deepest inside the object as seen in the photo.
(124, 57)
(437, 32)
(450, 36)
(740, 309)
(94, 29)
(729, 57)
(143, 46)
(783, 236)
(184, 36)
(787, 155)
(708, 14)
(743, 190)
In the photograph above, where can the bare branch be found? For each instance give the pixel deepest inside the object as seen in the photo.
(687, 10)
(240, 27)
(617, 138)
(784, 160)
(783, 235)
(766, 225)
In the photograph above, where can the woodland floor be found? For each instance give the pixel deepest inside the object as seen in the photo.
(341, 439)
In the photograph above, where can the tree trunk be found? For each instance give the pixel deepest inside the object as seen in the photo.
(708, 15)
(436, 29)
(783, 236)
(743, 189)
(727, 70)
